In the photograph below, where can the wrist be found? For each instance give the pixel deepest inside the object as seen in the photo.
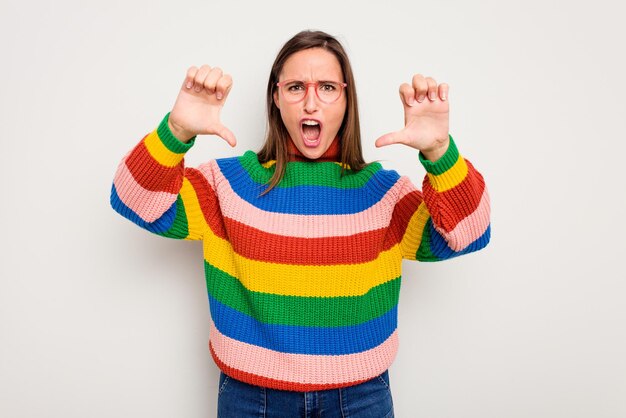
(181, 134)
(444, 163)
(437, 151)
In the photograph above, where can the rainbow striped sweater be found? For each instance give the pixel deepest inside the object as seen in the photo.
(303, 282)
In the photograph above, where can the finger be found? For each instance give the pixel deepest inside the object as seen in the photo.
(390, 138)
(420, 86)
(407, 95)
(224, 84)
(226, 134)
(443, 91)
(198, 81)
(211, 79)
(432, 88)
(191, 74)
(384, 140)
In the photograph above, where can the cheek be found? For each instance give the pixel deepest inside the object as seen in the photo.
(286, 113)
(290, 118)
(340, 115)
(343, 109)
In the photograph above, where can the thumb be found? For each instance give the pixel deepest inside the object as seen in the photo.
(226, 134)
(388, 139)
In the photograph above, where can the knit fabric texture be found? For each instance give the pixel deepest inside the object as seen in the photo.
(303, 282)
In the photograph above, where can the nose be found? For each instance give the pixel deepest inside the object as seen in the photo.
(310, 99)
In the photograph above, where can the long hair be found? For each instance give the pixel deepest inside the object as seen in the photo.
(277, 137)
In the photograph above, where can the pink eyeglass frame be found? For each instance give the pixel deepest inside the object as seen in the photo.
(316, 84)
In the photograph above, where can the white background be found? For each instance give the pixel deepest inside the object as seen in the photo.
(99, 318)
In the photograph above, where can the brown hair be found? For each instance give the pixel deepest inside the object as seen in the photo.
(276, 146)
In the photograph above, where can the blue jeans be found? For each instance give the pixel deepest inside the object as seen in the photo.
(371, 399)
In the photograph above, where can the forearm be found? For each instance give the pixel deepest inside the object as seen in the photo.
(456, 197)
(150, 186)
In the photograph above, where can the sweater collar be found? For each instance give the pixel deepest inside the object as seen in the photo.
(333, 153)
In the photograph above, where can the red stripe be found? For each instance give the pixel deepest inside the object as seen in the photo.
(266, 382)
(207, 200)
(402, 214)
(150, 174)
(248, 241)
(452, 206)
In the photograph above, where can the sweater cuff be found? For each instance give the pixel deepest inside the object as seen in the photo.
(444, 163)
(170, 141)
(448, 171)
(164, 147)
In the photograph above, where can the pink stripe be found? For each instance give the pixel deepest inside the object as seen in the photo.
(471, 228)
(148, 205)
(313, 226)
(304, 368)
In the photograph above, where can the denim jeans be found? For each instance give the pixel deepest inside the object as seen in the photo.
(371, 399)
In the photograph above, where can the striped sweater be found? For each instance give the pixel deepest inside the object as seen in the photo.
(303, 282)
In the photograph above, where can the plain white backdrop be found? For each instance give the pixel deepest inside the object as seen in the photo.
(99, 318)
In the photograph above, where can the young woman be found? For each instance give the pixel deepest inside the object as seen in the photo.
(303, 241)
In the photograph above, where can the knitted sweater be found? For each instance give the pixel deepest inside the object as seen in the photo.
(303, 282)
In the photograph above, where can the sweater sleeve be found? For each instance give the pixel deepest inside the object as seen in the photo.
(450, 216)
(153, 188)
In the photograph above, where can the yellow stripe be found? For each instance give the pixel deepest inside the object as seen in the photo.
(414, 231)
(347, 166)
(159, 151)
(450, 178)
(302, 280)
(195, 219)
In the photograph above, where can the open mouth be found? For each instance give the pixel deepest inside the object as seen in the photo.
(311, 132)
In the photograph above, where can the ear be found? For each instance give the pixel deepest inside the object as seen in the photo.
(276, 99)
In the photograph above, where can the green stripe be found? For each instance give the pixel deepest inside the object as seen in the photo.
(299, 173)
(170, 141)
(180, 227)
(300, 310)
(444, 163)
(423, 252)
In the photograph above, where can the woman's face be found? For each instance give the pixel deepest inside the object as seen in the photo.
(311, 65)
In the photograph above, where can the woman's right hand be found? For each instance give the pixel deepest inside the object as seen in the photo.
(199, 103)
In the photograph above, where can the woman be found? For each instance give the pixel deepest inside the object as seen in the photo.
(303, 241)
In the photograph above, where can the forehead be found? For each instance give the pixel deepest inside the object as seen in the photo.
(312, 64)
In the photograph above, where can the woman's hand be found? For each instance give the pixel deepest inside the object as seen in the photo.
(199, 103)
(426, 118)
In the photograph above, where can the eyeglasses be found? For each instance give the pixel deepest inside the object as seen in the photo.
(295, 91)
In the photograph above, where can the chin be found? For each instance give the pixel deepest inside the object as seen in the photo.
(315, 152)
(310, 154)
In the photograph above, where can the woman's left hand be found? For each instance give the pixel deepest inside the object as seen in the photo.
(426, 118)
